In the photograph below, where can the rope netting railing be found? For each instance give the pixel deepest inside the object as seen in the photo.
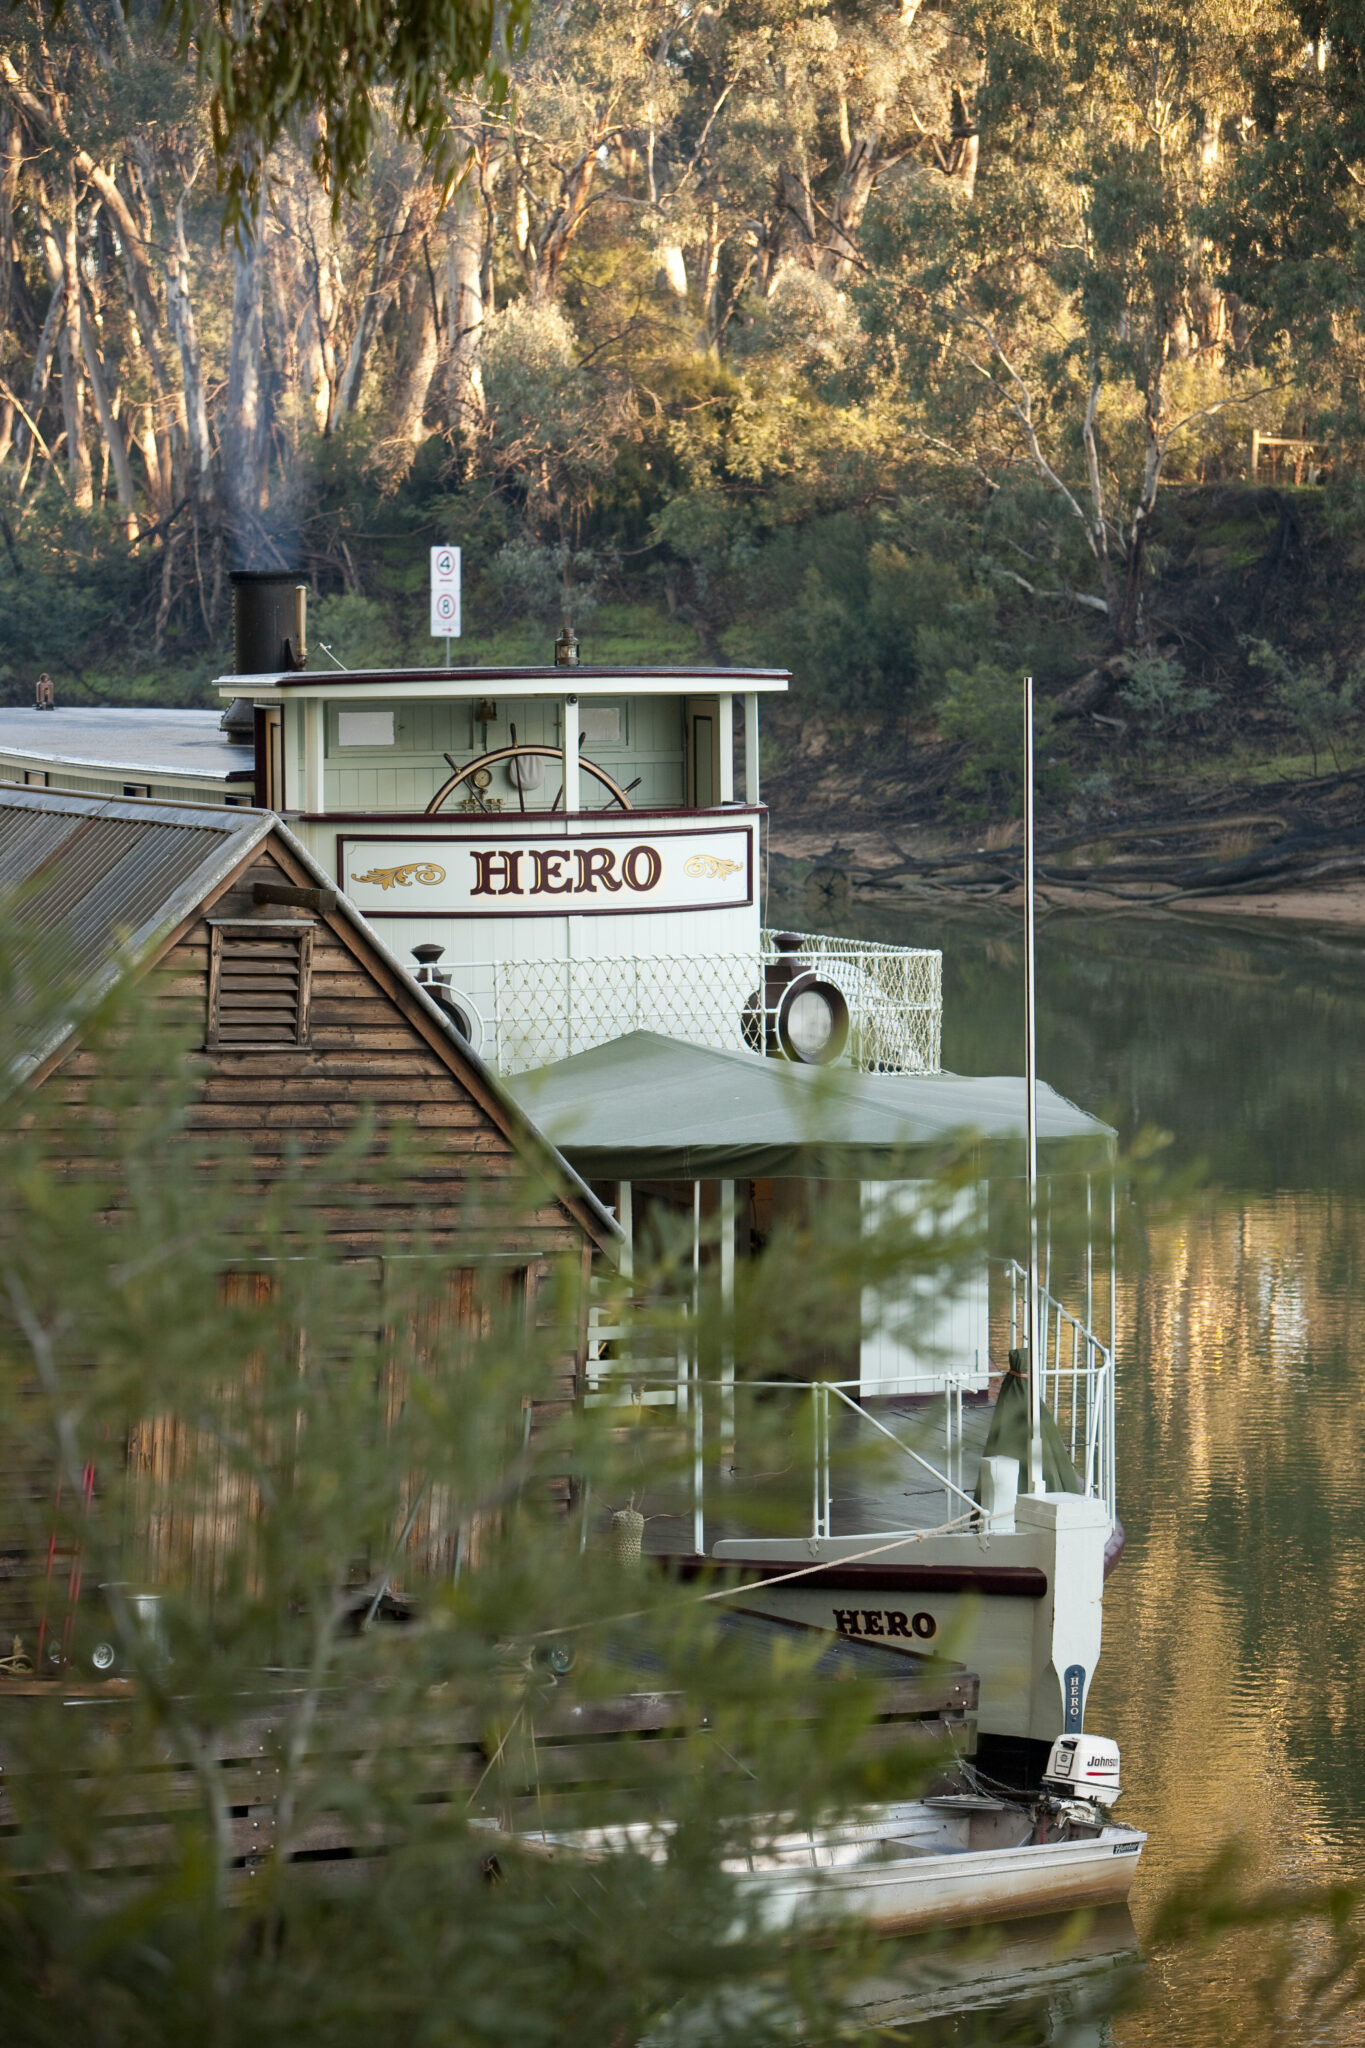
(894, 995)
(545, 1010)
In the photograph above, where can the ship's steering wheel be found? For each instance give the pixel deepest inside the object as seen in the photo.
(485, 762)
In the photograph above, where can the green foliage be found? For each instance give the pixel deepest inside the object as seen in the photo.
(62, 589)
(358, 631)
(339, 70)
(874, 627)
(721, 366)
(277, 1437)
(983, 712)
(1161, 699)
(1318, 709)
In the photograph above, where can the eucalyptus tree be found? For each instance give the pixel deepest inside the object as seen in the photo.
(1069, 320)
(153, 360)
(1290, 215)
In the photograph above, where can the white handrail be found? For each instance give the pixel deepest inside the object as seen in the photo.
(833, 1387)
(1091, 1381)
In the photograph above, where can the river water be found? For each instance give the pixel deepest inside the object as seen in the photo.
(1233, 1671)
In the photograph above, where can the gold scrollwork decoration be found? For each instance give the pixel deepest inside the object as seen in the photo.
(711, 866)
(424, 871)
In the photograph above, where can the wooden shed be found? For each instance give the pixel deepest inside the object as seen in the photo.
(306, 1023)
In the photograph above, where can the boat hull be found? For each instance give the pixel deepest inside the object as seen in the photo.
(1022, 1607)
(947, 1891)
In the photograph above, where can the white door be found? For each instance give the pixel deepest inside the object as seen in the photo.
(934, 1328)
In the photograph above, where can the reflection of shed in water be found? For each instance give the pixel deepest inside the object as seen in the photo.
(306, 1024)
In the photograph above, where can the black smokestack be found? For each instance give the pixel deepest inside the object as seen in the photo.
(269, 622)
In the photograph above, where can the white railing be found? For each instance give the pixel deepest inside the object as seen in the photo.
(701, 1477)
(630, 1366)
(1077, 1383)
(894, 995)
(544, 1010)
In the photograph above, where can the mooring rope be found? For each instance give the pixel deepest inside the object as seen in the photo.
(761, 1585)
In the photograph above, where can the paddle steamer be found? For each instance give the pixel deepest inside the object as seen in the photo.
(573, 859)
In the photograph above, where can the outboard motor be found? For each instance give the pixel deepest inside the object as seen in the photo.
(1084, 1767)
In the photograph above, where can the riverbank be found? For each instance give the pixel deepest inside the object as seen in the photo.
(873, 867)
(1343, 905)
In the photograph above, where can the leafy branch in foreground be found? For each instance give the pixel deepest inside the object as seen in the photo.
(351, 1635)
(333, 73)
(365, 1665)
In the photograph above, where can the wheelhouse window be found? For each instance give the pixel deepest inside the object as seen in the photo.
(259, 984)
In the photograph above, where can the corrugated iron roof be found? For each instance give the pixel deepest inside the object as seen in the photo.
(97, 876)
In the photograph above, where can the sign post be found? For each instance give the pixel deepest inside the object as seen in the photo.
(445, 596)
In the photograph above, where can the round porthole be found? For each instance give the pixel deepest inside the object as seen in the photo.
(812, 1021)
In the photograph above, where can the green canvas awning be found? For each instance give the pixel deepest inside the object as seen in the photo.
(645, 1107)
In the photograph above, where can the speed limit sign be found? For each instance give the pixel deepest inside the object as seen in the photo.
(445, 593)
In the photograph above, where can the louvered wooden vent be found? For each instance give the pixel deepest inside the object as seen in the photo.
(259, 976)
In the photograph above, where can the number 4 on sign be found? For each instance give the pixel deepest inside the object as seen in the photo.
(445, 596)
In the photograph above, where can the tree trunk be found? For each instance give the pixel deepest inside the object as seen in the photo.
(857, 176)
(1129, 622)
(317, 357)
(305, 254)
(964, 148)
(136, 237)
(109, 425)
(417, 358)
(42, 360)
(391, 256)
(673, 269)
(180, 311)
(464, 300)
(715, 242)
(575, 192)
(59, 251)
(1129, 619)
(11, 160)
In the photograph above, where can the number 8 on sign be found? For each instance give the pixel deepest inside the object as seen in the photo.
(445, 593)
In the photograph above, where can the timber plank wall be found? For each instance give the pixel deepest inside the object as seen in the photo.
(470, 1195)
(364, 1053)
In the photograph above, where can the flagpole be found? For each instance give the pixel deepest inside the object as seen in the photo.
(1035, 1377)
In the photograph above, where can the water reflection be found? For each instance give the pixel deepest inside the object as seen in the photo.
(1054, 1980)
(1232, 1667)
(1232, 1661)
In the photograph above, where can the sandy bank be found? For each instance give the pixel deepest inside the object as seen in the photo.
(1340, 904)
(1343, 904)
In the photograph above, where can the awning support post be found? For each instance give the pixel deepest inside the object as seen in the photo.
(727, 1305)
(1035, 1363)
